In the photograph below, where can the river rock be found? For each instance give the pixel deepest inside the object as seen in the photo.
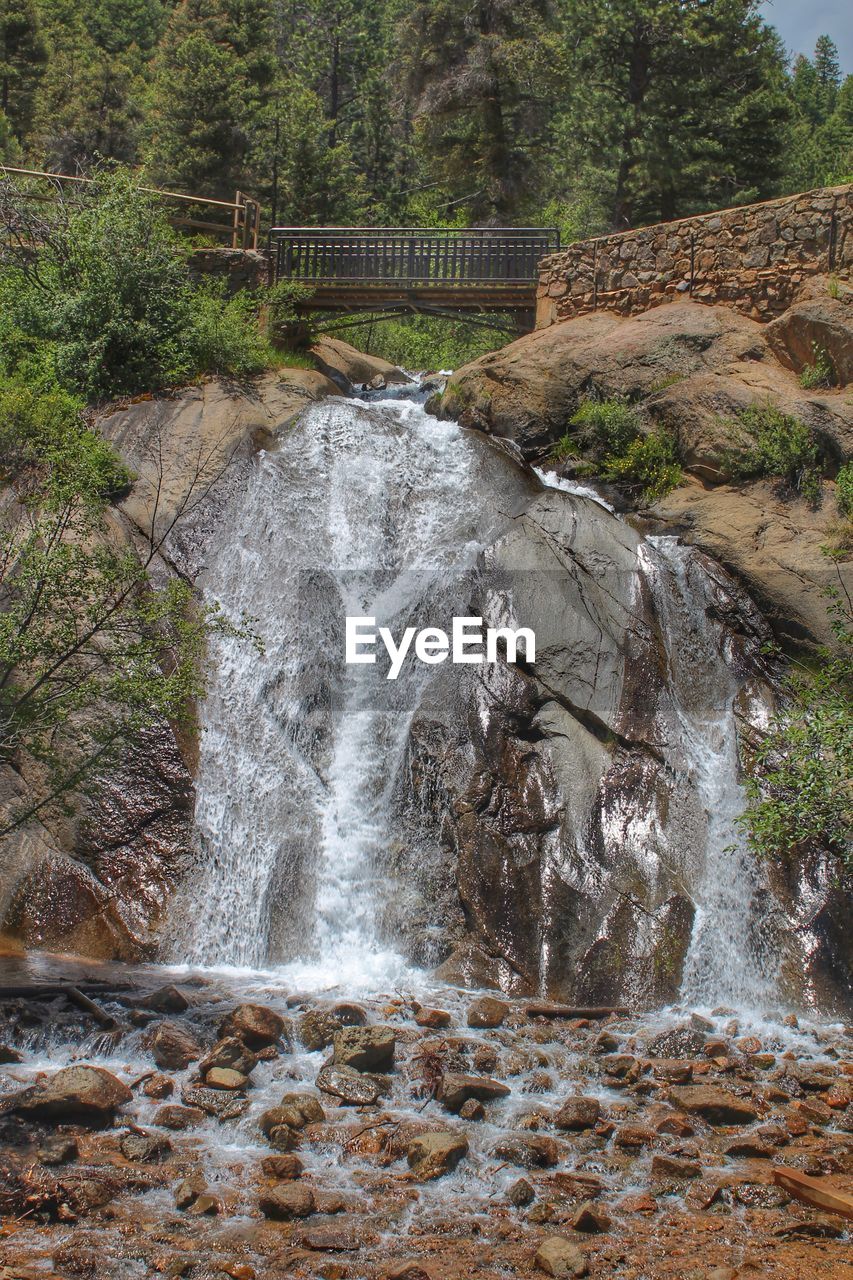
(254, 1024)
(530, 1152)
(365, 1048)
(590, 1218)
(158, 1086)
(487, 1012)
(317, 1028)
(168, 999)
(717, 1106)
(432, 1154)
(9, 1055)
(286, 1201)
(174, 1047)
(680, 1042)
(578, 1113)
(216, 1102)
(435, 1019)
(230, 1053)
(521, 1193)
(282, 1168)
(175, 1116)
(142, 1147)
(307, 1105)
(75, 1095)
(58, 1150)
(557, 1256)
(225, 1078)
(472, 1110)
(456, 1089)
(189, 1189)
(349, 1085)
(664, 1167)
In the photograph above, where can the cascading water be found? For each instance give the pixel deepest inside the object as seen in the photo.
(378, 509)
(727, 960)
(366, 510)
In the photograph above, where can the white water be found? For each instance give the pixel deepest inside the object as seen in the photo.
(379, 509)
(725, 962)
(367, 510)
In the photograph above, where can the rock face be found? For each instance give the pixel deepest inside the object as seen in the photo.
(351, 369)
(694, 368)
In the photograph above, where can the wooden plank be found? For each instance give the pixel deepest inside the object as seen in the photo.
(814, 1191)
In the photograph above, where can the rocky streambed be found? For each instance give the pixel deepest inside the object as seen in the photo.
(215, 1125)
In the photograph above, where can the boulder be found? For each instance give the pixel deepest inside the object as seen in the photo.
(317, 1028)
(175, 1116)
(158, 1086)
(435, 1019)
(456, 1089)
(521, 1193)
(716, 1105)
(351, 1086)
(436, 1153)
(578, 1113)
(665, 1167)
(225, 1078)
(216, 1102)
(168, 999)
(822, 324)
(174, 1047)
(282, 1168)
(557, 1256)
(142, 1147)
(349, 368)
(75, 1095)
(530, 1151)
(254, 1024)
(287, 1200)
(590, 1218)
(365, 1048)
(231, 1053)
(487, 1012)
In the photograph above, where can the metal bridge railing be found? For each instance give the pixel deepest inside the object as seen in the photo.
(417, 257)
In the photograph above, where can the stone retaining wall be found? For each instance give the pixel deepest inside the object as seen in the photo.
(753, 258)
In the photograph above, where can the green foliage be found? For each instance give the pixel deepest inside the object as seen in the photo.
(844, 490)
(819, 374)
(800, 770)
(775, 444)
(224, 335)
(428, 343)
(619, 448)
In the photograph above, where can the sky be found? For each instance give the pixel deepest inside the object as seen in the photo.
(800, 22)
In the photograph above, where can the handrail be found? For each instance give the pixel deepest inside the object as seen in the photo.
(244, 229)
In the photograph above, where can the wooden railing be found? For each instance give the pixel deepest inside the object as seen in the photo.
(241, 216)
(414, 257)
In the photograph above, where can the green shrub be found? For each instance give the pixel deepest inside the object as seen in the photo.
(775, 444)
(607, 426)
(649, 464)
(821, 373)
(844, 490)
(224, 336)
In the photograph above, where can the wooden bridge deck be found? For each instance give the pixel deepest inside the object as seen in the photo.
(420, 268)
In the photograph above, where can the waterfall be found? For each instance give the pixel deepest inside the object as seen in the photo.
(726, 960)
(366, 510)
(374, 508)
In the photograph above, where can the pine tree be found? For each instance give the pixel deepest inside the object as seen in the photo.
(22, 58)
(820, 147)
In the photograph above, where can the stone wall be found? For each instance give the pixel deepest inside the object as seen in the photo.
(754, 258)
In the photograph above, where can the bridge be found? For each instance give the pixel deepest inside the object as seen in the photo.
(394, 270)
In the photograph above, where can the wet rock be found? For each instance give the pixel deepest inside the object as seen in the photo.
(521, 1193)
(216, 1102)
(174, 1047)
(349, 1085)
(231, 1054)
(672, 1070)
(254, 1024)
(487, 1012)
(557, 1256)
(605, 1042)
(9, 1055)
(620, 1066)
(206, 1205)
(633, 1136)
(58, 1150)
(168, 999)
(750, 1148)
(144, 1148)
(717, 1106)
(675, 1125)
(590, 1218)
(287, 1201)
(282, 1168)
(365, 1048)
(665, 1167)
(409, 1271)
(174, 1116)
(680, 1042)
(432, 1154)
(278, 1118)
(432, 1018)
(485, 1058)
(188, 1190)
(225, 1078)
(699, 1023)
(158, 1087)
(456, 1089)
(578, 1112)
(472, 1110)
(537, 1152)
(75, 1095)
(317, 1029)
(349, 1014)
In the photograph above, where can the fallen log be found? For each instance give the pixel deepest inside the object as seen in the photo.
(43, 990)
(574, 1011)
(814, 1191)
